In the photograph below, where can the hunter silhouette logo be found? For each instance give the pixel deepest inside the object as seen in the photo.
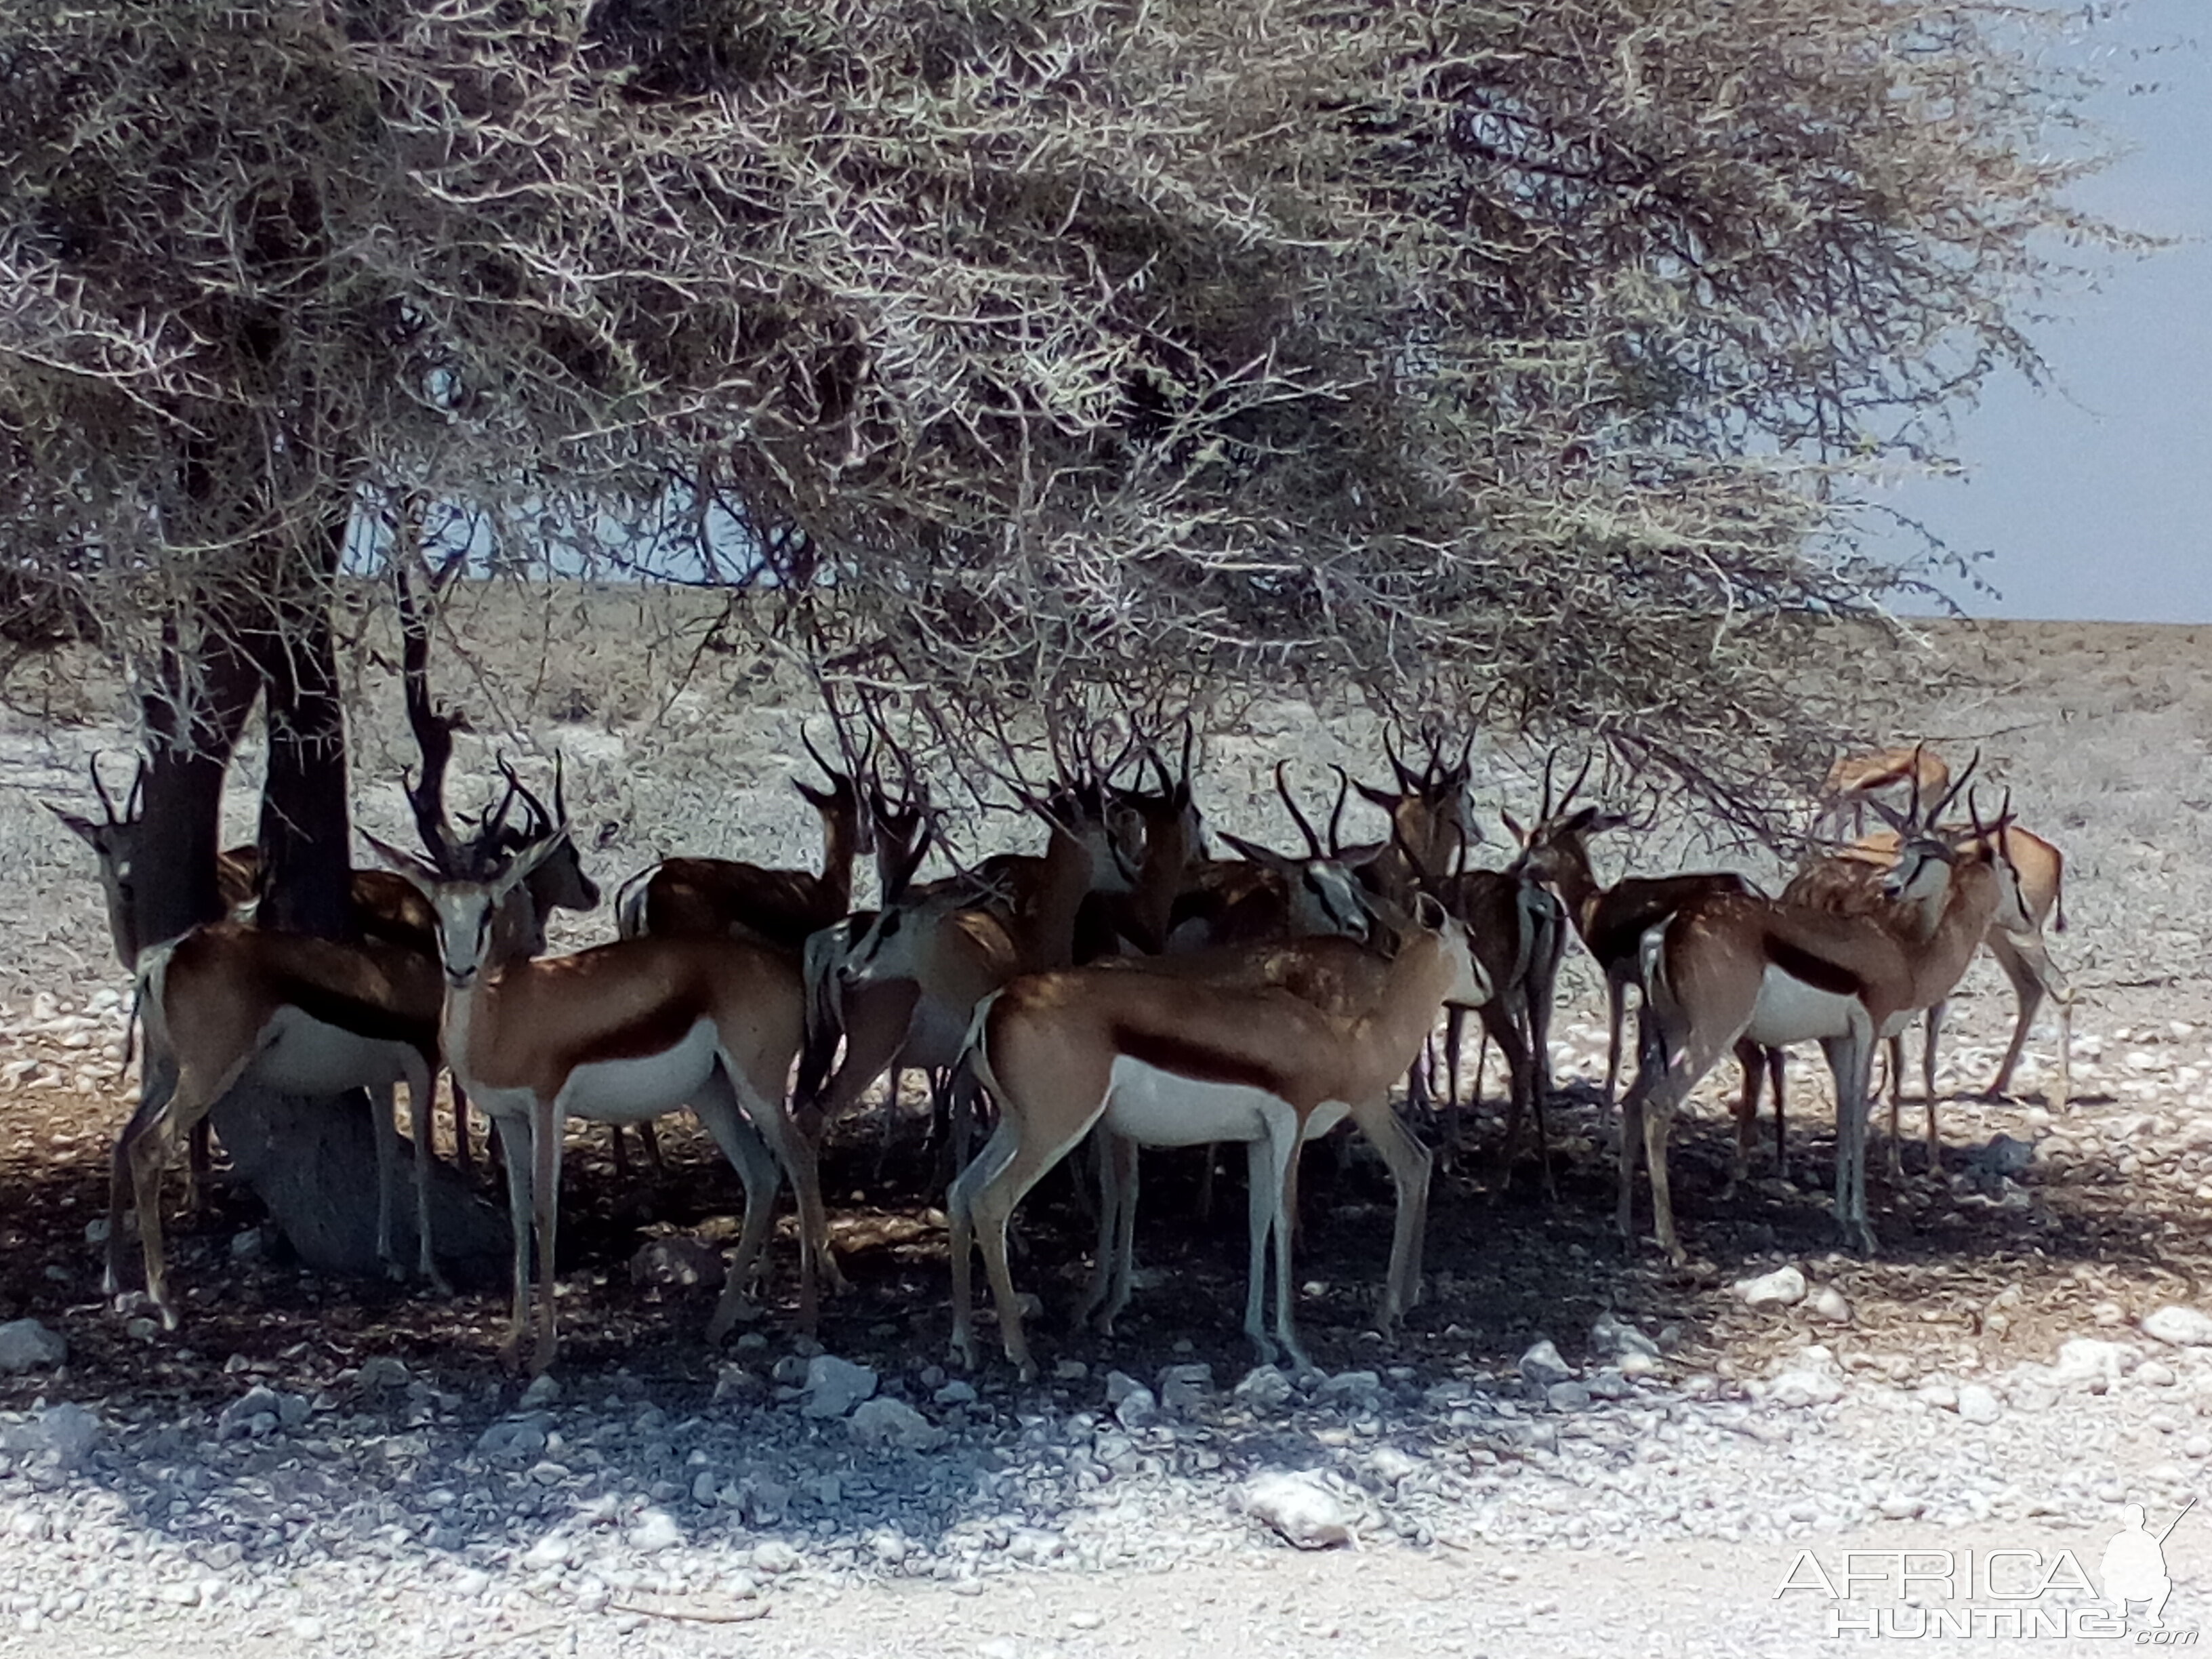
(2134, 1567)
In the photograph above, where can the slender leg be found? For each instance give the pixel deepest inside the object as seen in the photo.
(386, 1129)
(1410, 1165)
(1631, 1146)
(197, 1159)
(1748, 1058)
(146, 1146)
(1776, 1060)
(2027, 963)
(1658, 1118)
(735, 1132)
(546, 1145)
(1103, 1265)
(1503, 1025)
(1121, 1156)
(1616, 1011)
(516, 1136)
(146, 1155)
(1850, 1059)
(420, 1100)
(1454, 1039)
(1896, 1100)
(465, 1153)
(157, 1089)
(1270, 1162)
(1933, 1023)
(983, 1198)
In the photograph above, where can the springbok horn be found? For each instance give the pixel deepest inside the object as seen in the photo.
(1282, 788)
(99, 789)
(828, 770)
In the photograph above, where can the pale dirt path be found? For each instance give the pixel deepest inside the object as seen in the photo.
(1697, 1598)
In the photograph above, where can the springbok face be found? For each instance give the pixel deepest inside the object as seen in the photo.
(115, 844)
(1324, 897)
(1470, 986)
(1922, 871)
(471, 909)
(560, 882)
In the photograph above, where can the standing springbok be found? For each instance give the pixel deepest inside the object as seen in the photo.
(1851, 882)
(1169, 1061)
(616, 1034)
(1612, 921)
(1730, 966)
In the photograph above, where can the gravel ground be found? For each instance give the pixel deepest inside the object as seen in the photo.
(309, 1464)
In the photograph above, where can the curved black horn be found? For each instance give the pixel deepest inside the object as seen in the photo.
(1567, 800)
(828, 770)
(99, 789)
(1408, 778)
(1336, 813)
(1283, 788)
(1957, 785)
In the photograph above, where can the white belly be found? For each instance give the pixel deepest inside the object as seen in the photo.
(1159, 1108)
(301, 1055)
(1790, 1011)
(631, 1091)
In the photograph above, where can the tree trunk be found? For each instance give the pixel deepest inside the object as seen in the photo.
(194, 717)
(312, 1160)
(306, 856)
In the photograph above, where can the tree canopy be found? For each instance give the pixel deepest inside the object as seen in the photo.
(1521, 360)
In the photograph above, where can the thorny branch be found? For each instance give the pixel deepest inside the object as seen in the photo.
(1520, 361)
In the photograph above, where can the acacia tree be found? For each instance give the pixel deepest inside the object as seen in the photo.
(1513, 360)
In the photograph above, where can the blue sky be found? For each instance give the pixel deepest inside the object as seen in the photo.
(2094, 494)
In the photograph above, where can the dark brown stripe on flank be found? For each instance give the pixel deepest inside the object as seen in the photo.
(1816, 971)
(1195, 1060)
(362, 1019)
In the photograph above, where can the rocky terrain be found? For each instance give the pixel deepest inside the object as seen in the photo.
(1569, 1450)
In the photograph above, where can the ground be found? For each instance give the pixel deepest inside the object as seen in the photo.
(1987, 1384)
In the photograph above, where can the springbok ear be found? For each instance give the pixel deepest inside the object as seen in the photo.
(84, 829)
(1252, 852)
(1382, 797)
(1429, 912)
(403, 863)
(529, 858)
(1513, 827)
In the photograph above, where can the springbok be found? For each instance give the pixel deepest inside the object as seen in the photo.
(703, 898)
(1612, 921)
(1851, 882)
(616, 1034)
(1162, 1059)
(1729, 967)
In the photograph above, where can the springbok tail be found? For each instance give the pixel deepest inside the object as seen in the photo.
(1658, 994)
(630, 903)
(823, 955)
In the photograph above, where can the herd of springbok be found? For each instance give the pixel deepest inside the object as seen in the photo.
(1120, 989)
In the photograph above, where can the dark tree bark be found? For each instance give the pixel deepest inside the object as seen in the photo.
(193, 718)
(307, 856)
